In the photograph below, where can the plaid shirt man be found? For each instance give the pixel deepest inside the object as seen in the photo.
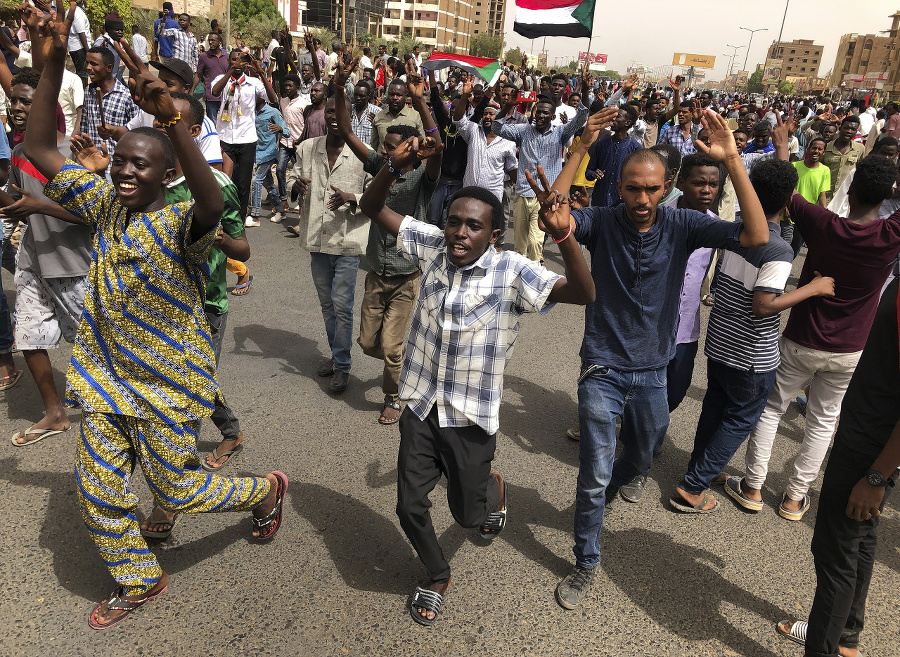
(544, 148)
(184, 47)
(118, 109)
(675, 136)
(464, 327)
(362, 125)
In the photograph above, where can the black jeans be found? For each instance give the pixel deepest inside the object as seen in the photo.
(844, 554)
(427, 451)
(243, 156)
(222, 416)
(79, 57)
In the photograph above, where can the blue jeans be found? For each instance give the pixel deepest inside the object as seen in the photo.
(262, 177)
(440, 201)
(212, 109)
(732, 405)
(604, 394)
(335, 279)
(285, 157)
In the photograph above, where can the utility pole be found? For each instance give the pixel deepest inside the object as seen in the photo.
(760, 29)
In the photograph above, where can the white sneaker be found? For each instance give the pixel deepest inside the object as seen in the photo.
(276, 217)
(251, 221)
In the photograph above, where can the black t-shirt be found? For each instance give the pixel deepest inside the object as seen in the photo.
(872, 404)
(8, 56)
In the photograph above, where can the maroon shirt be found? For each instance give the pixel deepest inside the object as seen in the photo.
(859, 258)
(209, 67)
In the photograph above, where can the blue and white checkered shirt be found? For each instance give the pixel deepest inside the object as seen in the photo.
(362, 125)
(118, 109)
(464, 327)
(184, 47)
(675, 137)
(536, 148)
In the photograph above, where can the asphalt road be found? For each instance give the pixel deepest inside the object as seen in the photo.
(336, 579)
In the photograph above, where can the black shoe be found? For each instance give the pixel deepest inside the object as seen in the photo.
(339, 381)
(611, 493)
(327, 368)
(633, 491)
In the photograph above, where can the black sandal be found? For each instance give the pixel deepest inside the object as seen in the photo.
(496, 520)
(118, 602)
(272, 523)
(429, 601)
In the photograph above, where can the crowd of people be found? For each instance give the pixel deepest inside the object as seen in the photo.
(121, 225)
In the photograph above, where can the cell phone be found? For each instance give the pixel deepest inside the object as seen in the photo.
(527, 97)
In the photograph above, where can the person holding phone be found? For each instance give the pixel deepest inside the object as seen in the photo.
(162, 43)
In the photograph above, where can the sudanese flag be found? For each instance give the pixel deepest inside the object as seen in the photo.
(543, 18)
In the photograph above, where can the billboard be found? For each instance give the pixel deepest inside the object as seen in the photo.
(591, 58)
(772, 72)
(542, 60)
(697, 61)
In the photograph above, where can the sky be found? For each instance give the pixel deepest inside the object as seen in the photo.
(628, 37)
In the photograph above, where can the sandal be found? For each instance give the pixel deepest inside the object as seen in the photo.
(392, 404)
(797, 633)
(429, 601)
(272, 523)
(790, 514)
(118, 601)
(242, 288)
(496, 520)
(224, 455)
(146, 533)
(32, 431)
(10, 381)
(680, 504)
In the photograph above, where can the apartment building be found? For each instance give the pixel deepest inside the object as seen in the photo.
(489, 17)
(438, 24)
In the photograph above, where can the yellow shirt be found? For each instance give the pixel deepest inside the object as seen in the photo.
(580, 180)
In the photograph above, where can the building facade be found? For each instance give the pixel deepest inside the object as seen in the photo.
(347, 18)
(438, 24)
(489, 17)
(869, 62)
(799, 58)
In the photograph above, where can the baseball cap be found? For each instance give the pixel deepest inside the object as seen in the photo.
(178, 68)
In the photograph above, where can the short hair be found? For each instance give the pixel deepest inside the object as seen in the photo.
(631, 112)
(30, 78)
(404, 130)
(197, 111)
(817, 138)
(214, 34)
(273, 33)
(686, 104)
(850, 118)
(696, 160)
(762, 126)
(670, 156)
(884, 141)
(363, 83)
(649, 155)
(184, 13)
(742, 131)
(367, 50)
(162, 139)
(596, 105)
(485, 196)
(874, 179)
(168, 5)
(293, 77)
(774, 182)
(559, 76)
(105, 53)
(398, 83)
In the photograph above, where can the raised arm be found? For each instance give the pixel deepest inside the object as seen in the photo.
(595, 123)
(372, 202)
(342, 112)
(460, 111)
(152, 96)
(40, 143)
(675, 86)
(310, 46)
(723, 149)
(415, 84)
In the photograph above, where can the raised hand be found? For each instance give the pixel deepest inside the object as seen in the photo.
(579, 198)
(428, 147)
(88, 155)
(57, 31)
(597, 122)
(721, 141)
(541, 193)
(149, 92)
(415, 83)
(675, 85)
(468, 81)
(696, 110)
(405, 154)
(342, 72)
(554, 216)
(630, 83)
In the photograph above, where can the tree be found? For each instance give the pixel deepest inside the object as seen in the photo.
(324, 35)
(754, 82)
(245, 11)
(258, 31)
(612, 75)
(97, 11)
(405, 44)
(785, 88)
(486, 45)
(513, 56)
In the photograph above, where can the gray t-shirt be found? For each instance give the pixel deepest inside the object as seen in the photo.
(51, 247)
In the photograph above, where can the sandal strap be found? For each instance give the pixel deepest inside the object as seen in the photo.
(394, 404)
(798, 630)
(428, 599)
(261, 524)
(494, 520)
(117, 601)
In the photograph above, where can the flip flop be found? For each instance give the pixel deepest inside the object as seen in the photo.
(682, 505)
(225, 455)
(10, 381)
(272, 523)
(117, 601)
(243, 288)
(797, 633)
(40, 433)
(146, 533)
(387, 405)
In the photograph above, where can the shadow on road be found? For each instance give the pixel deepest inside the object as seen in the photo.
(652, 569)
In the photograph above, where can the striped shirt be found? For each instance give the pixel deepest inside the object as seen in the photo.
(487, 163)
(143, 348)
(362, 125)
(464, 327)
(735, 336)
(544, 148)
(118, 109)
(184, 47)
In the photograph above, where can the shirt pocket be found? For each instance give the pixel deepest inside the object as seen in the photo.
(479, 310)
(433, 294)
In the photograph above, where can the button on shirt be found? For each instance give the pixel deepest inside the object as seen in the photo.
(841, 164)
(211, 66)
(118, 109)
(464, 327)
(539, 148)
(675, 137)
(267, 141)
(292, 111)
(184, 46)
(239, 108)
(488, 163)
(362, 124)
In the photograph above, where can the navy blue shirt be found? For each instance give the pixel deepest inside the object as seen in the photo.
(632, 324)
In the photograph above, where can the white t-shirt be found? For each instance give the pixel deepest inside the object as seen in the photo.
(364, 63)
(207, 140)
(139, 45)
(71, 97)
(80, 25)
(240, 128)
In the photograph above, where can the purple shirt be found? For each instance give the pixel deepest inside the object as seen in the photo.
(689, 307)
(209, 67)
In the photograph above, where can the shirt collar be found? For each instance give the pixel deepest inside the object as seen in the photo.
(484, 262)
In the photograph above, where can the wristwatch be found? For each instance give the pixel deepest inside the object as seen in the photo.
(877, 479)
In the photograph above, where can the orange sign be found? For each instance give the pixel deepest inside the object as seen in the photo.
(697, 61)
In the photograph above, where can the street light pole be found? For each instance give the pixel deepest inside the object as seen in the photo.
(759, 29)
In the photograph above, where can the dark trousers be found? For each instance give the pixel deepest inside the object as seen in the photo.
(844, 554)
(243, 156)
(79, 57)
(463, 455)
(732, 405)
(212, 109)
(222, 416)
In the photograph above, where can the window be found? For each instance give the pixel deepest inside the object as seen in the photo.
(806, 53)
(476, 31)
(804, 61)
(803, 69)
(791, 59)
(478, 13)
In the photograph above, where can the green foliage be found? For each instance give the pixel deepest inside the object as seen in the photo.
(97, 10)
(324, 35)
(513, 56)
(406, 42)
(754, 82)
(785, 88)
(612, 75)
(486, 45)
(366, 39)
(253, 20)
